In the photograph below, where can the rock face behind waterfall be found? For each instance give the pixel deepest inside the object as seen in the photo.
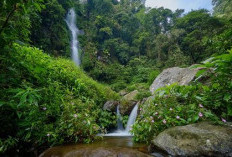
(126, 104)
(183, 76)
(201, 139)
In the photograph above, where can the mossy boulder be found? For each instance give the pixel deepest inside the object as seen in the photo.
(131, 96)
(201, 139)
(128, 102)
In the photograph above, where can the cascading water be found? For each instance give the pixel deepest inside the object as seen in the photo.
(119, 119)
(132, 118)
(120, 130)
(71, 22)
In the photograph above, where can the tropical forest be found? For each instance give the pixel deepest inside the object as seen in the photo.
(115, 78)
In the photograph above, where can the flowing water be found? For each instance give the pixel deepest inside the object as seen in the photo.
(120, 130)
(132, 118)
(115, 144)
(120, 143)
(119, 120)
(71, 22)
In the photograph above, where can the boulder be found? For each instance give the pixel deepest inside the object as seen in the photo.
(126, 107)
(182, 76)
(92, 151)
(111, 106)
(201, 139)
(128, 102)
(123, 92)
(131, 96)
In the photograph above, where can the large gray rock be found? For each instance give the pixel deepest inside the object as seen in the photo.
(182, 76)
(111, 106)
(128, 102)
(201, 139)
(92, 151)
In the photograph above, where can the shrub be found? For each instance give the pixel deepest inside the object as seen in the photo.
(172, 106)
(181, 105)
(143, 94)
(47, 101)
(218, 94)
(152, 76)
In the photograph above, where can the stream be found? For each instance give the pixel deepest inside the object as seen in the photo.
(118, 143)
(98, 148)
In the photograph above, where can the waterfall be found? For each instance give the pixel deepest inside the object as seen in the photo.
(71, 22)
(132, 118)
(120, 130)
(119, 119)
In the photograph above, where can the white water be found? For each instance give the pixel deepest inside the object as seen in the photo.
(132, 118)
(119, 120)
(71, 22)
(125, 132)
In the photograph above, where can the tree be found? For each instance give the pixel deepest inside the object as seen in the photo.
(200, 27)
(223, 8)
(14, 19)
(49, 30)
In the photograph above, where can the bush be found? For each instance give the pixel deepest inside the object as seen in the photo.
(152, 76)
(47, 101)
(181, 105)
(172, 106)
(108, 120)
(218, 94)
(143, 94)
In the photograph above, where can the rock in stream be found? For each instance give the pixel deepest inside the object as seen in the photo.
(201, 139)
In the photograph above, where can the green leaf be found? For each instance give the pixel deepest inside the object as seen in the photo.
(195, 118)
(150, 128)
(1, 103)
(229, 110)
(198, 98)
(19, 114)
(200, 72)
(227, 97)
(216, 85)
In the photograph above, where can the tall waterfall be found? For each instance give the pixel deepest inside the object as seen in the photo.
(71, 22)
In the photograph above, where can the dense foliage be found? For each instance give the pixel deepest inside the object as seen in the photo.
(180, 105)
(46, 100)
(125, 41)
